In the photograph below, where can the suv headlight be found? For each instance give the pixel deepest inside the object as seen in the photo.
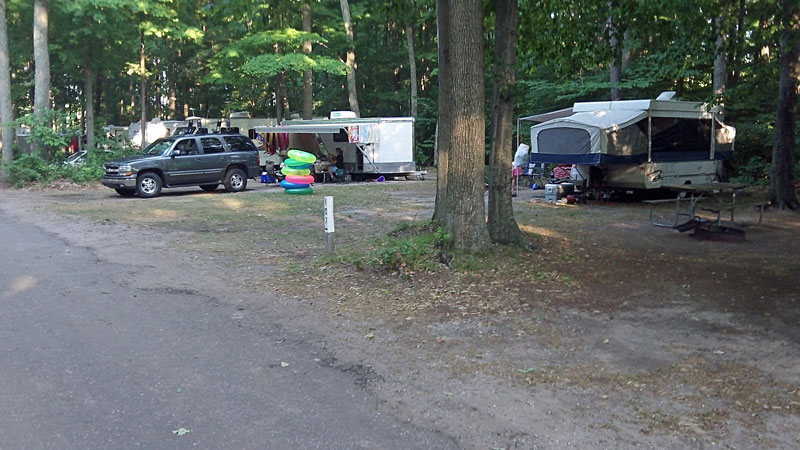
(125, 170)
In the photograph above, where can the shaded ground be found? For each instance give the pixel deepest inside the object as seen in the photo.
(606, 332)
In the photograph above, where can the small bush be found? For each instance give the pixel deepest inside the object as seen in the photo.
(27, 168)
(412, 248)
(754, 171)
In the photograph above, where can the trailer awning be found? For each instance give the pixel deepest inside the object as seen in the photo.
(297, 129)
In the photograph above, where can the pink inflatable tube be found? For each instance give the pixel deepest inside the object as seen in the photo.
(300, 179)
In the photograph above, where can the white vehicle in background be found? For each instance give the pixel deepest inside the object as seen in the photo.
(78, 158)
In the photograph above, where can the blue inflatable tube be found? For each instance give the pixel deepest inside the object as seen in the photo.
(289, 185)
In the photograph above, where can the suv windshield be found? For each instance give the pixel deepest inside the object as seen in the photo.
(158, 148)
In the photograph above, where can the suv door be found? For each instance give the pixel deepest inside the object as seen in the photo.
(214, 159)
(182, 167)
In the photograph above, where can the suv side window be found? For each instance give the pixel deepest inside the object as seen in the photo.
(239, 144)
(212, 145)
(187, 147)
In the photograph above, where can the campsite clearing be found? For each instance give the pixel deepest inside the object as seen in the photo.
(604, 331)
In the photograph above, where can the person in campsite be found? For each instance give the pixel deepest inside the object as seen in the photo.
(336, 165)
(520, 161)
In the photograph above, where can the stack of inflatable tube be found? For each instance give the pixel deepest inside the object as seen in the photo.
(297, 170)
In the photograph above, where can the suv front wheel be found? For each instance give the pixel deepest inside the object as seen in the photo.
(148, 185)
(235, 180)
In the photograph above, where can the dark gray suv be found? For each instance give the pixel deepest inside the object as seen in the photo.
(204, 160)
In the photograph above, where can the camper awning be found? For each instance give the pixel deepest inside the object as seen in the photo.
(295, 129)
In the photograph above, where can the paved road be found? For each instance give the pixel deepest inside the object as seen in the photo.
(89, 361)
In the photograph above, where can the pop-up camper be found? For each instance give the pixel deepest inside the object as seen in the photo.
(371, 147)
(634, 144)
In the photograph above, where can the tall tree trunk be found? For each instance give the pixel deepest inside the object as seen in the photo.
(412, 67)
(308, 77)
(462, 106)
(352, 93)
(733, 63)
(88, 87)
(502, 225)
(6, 109)
(41, 57)
(143, 89)
(99, 81)
(720, 80)
(278, 102)
(287, 110)
(88, 90)
(440, 151)
(171, 82)
(781, 180)
(615, 67)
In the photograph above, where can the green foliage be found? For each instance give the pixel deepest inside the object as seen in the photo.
(28, 168)
(50, 130)
(754, 171)
(412, 248)
(33, 168)
(269, 65)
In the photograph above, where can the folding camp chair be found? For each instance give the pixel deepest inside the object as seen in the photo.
(536, 173)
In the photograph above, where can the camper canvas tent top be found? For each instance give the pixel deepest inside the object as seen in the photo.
(636, 143)
(371, 146)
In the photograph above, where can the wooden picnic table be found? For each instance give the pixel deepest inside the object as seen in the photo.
(688, 195)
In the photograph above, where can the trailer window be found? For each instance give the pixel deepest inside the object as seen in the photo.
(341, 136)
(564, 141)
(676, 139)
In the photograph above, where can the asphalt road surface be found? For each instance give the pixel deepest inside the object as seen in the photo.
(90, 360)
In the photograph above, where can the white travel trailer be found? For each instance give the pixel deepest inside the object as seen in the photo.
(634, 144)
(371, 147)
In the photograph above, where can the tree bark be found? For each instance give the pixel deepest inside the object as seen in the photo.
(171, 82)
(441, 151)
(99, 98)
(283, 96)
(412, 67)
(352, 92)
(88, 88)
(462, 116)
(6, 109)
(733, 64)
(88, 92)
(502, 225)
(143, 89)
(720, 80)
(781, 181)
(308, 77)
(41, 57)
(615, 67)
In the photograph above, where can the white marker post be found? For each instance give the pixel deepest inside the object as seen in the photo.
(330, 228)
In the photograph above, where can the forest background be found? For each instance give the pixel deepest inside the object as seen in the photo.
(210, 58)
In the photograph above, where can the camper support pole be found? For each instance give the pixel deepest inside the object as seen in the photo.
(713, 135)
(649, 138)
(517, 135)
(361, 149)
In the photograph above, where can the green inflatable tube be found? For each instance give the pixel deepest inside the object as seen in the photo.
(290, 171)
(302, 191)
(302, 156)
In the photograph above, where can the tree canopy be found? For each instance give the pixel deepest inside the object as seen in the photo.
(213, 57)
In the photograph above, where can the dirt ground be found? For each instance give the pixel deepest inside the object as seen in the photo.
(605, 332)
